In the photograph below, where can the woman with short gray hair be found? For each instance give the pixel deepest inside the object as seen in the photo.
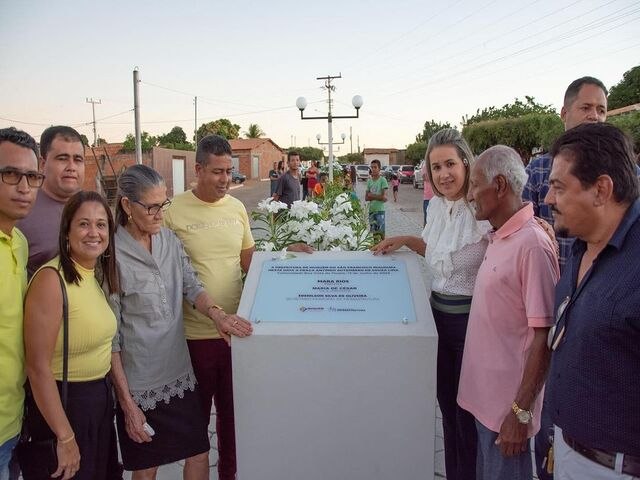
(159, 416)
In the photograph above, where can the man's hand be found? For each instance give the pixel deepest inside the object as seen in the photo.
(512, 438)
(300, 247)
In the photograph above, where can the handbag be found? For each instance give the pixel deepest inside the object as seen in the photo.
(38, 459)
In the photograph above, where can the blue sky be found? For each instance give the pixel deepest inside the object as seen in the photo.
(411, 61)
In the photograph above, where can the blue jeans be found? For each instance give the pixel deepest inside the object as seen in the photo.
(376, 222)
(5, 456)
(492, 465)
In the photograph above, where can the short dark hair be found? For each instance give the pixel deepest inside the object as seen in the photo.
(574, 88)
(596, 149)
(292, 153)
(376, 162)
(212, 145)
(50, 134)
(19, 137)
(324, 175)
(107, 271)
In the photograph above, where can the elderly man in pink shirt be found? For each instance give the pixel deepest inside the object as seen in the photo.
(506, 358)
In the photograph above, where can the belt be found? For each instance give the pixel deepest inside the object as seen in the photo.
(630, 464)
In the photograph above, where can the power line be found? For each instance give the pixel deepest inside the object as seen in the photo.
(563, 36)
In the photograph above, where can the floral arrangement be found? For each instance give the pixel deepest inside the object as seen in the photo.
(333, 222)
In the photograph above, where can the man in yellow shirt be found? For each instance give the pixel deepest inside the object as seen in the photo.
(214, 228)
(19, 182)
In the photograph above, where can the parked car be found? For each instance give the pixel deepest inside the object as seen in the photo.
(362, 172)
(406, 173)
(387, 172)
(237, 177)
(418, 181)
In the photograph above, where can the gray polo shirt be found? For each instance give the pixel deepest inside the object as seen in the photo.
(150, 335)
(289, 188)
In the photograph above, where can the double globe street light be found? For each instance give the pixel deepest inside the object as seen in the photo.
(356, 101)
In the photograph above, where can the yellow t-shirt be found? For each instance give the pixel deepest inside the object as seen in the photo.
(92, 326)
(13, 283)
(213, 235)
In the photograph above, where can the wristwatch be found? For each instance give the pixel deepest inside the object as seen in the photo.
(523, 416)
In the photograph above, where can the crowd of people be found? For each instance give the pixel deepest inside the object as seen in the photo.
(534, 299)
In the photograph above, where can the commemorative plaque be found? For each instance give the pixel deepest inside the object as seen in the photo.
(338, 380)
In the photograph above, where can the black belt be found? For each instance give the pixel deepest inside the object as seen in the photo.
(630, 464)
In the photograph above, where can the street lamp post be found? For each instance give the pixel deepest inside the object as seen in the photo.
(356, 101)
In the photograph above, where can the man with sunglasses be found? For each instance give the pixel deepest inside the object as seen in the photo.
(62, 162)
(593, 387)
(19, 183)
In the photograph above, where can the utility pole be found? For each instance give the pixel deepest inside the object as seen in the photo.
(356, 101)
(351, 138)
(136, 115)
(195, 130)
(93, 108)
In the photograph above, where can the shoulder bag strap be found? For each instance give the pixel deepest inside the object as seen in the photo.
(65, 341)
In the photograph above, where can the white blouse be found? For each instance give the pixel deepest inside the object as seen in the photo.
(456, 244)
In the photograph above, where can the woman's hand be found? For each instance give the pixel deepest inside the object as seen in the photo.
(228, 325)
(388, 245)
(134, 420)
(68, 459)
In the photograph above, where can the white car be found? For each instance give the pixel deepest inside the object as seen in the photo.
(362, 172)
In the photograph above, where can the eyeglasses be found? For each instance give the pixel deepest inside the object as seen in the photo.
(556, 333)
(154, 209)
(12, 176)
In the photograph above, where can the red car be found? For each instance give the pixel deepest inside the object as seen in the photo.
(406, 173)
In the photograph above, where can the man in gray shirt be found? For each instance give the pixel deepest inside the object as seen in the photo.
(62, 162)
(288, 189)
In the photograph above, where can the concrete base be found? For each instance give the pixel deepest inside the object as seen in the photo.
(336, 401)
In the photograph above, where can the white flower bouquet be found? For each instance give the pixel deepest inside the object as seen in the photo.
(334, 222)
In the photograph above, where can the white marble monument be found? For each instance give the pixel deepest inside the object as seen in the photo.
(338, 381)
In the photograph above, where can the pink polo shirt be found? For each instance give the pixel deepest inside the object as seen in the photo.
(514, 292)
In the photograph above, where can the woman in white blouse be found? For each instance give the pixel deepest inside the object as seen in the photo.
(453, 243)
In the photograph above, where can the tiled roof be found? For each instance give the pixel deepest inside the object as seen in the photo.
(250, 143)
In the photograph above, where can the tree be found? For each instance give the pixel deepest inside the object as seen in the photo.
(308, 153)
(175, 139)
(415, 152)
(630, 124)
(429, 129)
(222, 127)
(626, 91)
(513, 110)
(523, 133)
(100, 141)
(254, 131)
(85, 140)
(147, 142)
(352, 158)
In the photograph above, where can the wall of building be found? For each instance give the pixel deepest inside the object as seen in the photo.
(163, 163)
(267, 153)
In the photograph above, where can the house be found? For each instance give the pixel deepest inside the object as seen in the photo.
(254, 157)
(103, 164)
(386, 156)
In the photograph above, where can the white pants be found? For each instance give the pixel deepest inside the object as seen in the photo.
(570, 465)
